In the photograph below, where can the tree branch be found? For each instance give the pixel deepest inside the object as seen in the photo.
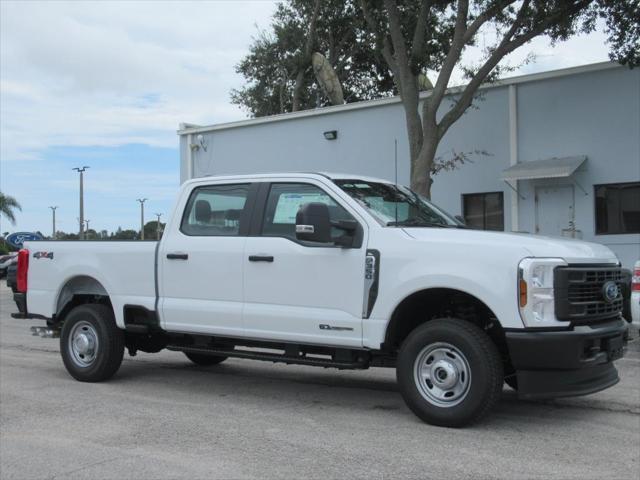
(382, 39)
(506, 46)
(419, 35)
(305, 59)
(431, 104)
(484, 17)
(397, 38)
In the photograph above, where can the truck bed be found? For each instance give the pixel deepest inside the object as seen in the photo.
(124, 269)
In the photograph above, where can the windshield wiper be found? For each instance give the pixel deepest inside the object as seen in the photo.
(416, 222)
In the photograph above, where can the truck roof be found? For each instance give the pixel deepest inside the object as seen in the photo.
(329, 175)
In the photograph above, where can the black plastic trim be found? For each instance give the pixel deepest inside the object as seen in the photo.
(257, 215)
(261, 258)
(290, 356)
(373, 290)
(564, 349)
(568, 362)
(146, 317)
(29, 316)
(20, 299)
(589, 306)
(541, 384)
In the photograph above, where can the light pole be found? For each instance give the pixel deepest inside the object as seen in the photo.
(81, 170)
(53, 211)
(141, 200)
(158, 226)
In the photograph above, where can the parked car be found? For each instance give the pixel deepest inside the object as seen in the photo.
(338, 271)
(6, 261)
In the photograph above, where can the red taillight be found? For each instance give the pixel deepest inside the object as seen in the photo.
(21, 273)
(635, 281)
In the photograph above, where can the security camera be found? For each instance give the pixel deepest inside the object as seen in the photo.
(201, 142)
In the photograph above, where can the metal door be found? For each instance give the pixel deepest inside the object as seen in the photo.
(554, 209)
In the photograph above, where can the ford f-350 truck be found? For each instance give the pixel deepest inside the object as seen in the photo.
(338, 271)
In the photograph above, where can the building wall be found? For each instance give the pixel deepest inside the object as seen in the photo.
(597, 115)
(485, 128)
(594, 113)
(365, 143)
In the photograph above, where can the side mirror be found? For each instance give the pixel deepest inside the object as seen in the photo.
(313, 223)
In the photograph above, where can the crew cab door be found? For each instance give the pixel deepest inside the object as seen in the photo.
(201, 258)
(296, 291)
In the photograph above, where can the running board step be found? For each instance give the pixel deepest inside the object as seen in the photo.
(273, 357)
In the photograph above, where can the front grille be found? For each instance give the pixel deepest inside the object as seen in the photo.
(579, 293)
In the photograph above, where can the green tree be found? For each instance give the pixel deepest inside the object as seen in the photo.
(66, 236)
(513, 23)
(91, 234)
(399, 40)
(278, 67)
(151, 230)
(8, 207)
(121, 234)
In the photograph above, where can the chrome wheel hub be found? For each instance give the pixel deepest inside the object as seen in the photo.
(83, 344)
(442, 374)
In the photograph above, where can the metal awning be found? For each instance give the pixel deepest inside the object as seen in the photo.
(549, 168)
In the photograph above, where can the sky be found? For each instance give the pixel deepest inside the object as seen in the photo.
(106, 83)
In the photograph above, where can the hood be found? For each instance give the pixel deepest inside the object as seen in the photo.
(571, 250)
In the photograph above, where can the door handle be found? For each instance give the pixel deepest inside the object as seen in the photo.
(178, 256)
(260, 258)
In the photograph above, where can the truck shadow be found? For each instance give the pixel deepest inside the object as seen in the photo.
(297, 388)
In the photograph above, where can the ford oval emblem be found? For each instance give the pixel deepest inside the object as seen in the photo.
(17, 239)
(610, 291)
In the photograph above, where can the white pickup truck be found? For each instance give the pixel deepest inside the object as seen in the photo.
(338, 271)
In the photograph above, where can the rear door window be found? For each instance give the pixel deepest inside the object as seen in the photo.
(216, 210)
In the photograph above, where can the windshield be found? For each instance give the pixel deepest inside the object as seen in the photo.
(395, 205)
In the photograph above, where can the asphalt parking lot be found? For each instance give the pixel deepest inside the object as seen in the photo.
(162, 417)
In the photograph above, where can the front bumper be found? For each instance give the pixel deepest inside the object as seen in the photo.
(566, 363)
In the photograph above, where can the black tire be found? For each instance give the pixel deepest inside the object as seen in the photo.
(98, 323)
(476, 364)
(205, 360)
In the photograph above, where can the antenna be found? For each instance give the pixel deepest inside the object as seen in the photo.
(395, 154)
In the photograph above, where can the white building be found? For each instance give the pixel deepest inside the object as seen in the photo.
(567, 142)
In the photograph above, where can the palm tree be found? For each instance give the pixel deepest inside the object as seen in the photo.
(8, 205)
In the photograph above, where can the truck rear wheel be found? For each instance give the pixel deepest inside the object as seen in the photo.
(205, 360)
(91, 344)
(449, 372)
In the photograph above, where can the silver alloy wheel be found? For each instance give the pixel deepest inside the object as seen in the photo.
(83, 344)
(442, 374)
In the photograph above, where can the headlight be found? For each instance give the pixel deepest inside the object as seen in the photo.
(535, 291)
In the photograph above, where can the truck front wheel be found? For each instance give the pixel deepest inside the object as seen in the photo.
(91, 344)
(449, 372)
